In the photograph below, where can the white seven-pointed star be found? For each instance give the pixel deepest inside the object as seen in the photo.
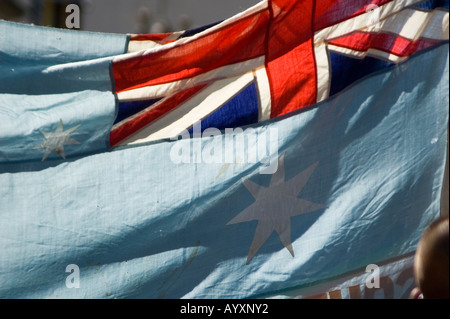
(275, 205)
(56, 140)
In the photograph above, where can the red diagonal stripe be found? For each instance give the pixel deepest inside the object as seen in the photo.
(331, 12)
(135, 125)
(390, 43)
(234, 43)
(150, 37)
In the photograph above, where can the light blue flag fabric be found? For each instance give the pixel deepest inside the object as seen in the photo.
(51, 80)
(353, 181)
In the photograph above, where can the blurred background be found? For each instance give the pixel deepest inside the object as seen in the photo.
(124, 16)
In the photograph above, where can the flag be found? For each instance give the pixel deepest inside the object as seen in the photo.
(245, 64)
(325, 193)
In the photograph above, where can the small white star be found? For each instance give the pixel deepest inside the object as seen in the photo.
(274, 207)
(55, 141)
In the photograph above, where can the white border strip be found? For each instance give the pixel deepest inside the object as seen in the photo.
(323, 71)
(414, 24)
(263, 88)
(136, 46)
(363, 22)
